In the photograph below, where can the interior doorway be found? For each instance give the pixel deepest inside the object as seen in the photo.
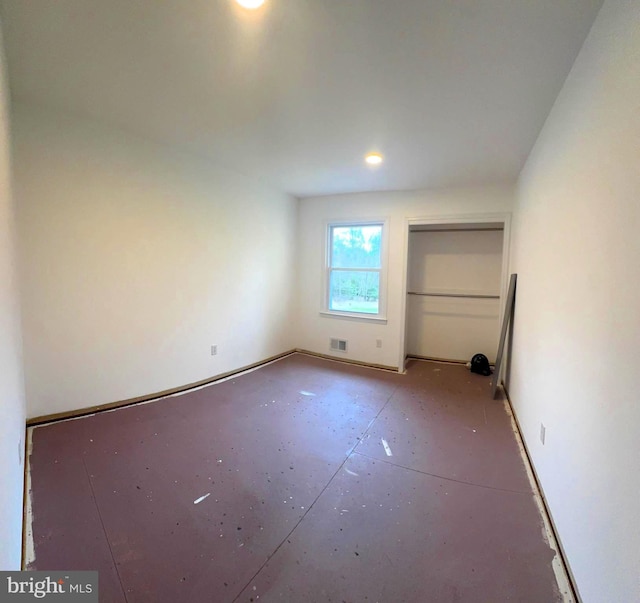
(455, 288)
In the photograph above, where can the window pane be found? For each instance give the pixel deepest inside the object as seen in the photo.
(354, 291)
(356, 246)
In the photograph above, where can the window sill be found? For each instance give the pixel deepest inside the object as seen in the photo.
(353, 316)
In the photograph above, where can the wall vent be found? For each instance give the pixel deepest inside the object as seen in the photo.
(338, 345)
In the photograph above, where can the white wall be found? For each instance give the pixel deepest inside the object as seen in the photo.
(137, 259)
(12, 407)
(576, 352)
(461, 262)
(314, 329)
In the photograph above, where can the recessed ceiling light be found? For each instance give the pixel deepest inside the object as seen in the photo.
(373, 158)
(250, 4)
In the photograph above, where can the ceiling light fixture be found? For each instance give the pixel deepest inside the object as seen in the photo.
(373, 159)
(250, 4)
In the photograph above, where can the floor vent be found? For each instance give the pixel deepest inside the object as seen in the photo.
(338, 345)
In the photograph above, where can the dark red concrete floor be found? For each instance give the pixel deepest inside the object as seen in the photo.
(302, 500)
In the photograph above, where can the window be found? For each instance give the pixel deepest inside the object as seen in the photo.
(354, 268)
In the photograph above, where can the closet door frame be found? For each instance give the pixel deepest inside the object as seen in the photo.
(457, 222)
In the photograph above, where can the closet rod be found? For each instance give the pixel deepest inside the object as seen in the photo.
(432, 230)
(467, 295)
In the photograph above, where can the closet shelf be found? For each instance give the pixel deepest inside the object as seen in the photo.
(465, 295)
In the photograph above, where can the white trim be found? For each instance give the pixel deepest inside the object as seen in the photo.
(29, 541)
(363, 316)
(559, 563)
(504, 218)
(381, 315)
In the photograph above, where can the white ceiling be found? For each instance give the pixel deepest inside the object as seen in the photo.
(452, 92)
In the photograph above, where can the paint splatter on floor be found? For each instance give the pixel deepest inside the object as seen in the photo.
(308, 504)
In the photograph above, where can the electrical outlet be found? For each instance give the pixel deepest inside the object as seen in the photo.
(543, 433)
(214, 350)
(378, 343)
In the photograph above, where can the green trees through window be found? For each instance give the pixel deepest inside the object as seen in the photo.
(355, 263)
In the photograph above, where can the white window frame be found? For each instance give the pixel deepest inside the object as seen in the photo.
(381, 316)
